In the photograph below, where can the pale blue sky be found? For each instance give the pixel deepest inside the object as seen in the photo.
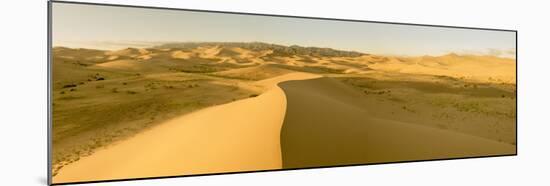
(106, 27)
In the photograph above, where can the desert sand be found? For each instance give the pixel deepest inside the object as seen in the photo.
(326, 126)
(239, 136)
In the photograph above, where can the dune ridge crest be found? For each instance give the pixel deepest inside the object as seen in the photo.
(241, 136)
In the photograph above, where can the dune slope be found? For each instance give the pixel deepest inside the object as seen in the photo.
(238, 136)
(325, 126)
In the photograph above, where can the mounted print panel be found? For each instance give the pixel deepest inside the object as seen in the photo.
(140, 92)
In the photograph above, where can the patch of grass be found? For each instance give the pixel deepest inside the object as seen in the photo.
(471, 90)
(69, 86)
(70, 97)
(409, 109)
(396, 99)
(468, 107)
(379, 92)
(131, 92)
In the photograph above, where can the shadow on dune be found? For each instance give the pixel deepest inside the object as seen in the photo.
(326, 125)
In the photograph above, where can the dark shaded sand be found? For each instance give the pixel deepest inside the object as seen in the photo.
(326, 125)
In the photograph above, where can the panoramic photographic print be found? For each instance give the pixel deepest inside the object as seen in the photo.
(144, 92)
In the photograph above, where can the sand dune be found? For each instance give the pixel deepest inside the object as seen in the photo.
(125, 64)
(207, 52)
(132, 52)
(255, 72)
(479, 68)
(325, 126)
(239, 136)
(181, 55)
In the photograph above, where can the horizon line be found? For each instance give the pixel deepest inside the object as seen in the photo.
(121, 45)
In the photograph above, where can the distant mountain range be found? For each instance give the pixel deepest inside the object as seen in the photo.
(278, 50)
